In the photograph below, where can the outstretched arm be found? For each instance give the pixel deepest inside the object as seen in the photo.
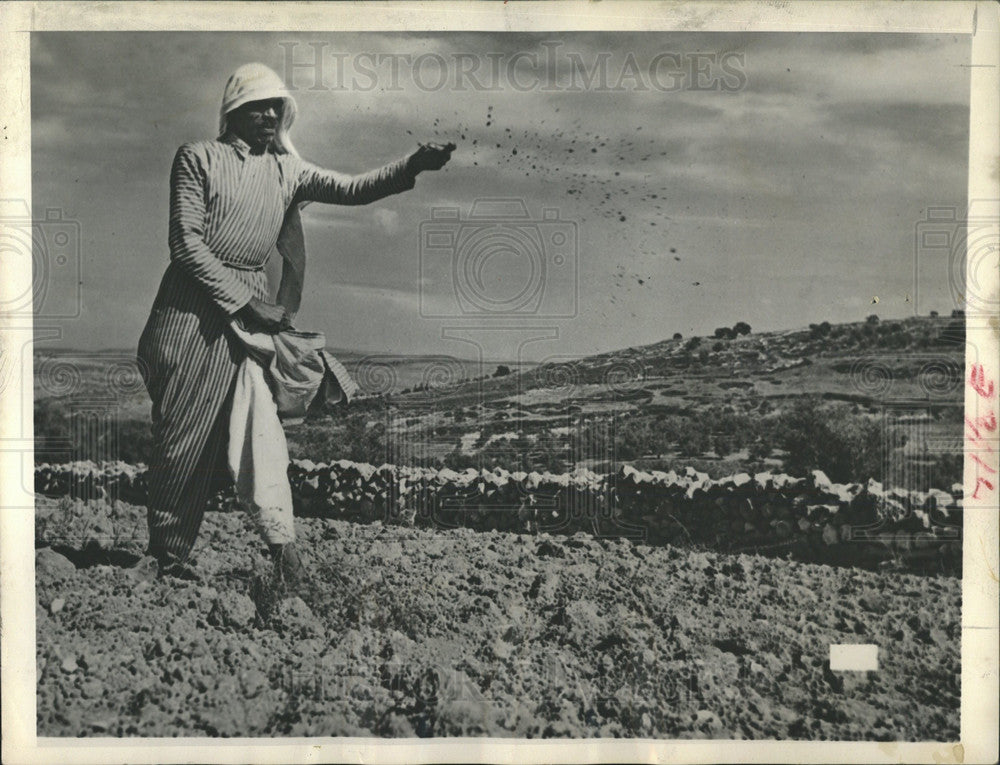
(315, 184)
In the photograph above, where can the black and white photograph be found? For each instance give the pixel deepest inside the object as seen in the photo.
(527, 381)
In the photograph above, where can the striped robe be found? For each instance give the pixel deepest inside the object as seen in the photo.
(227, 205)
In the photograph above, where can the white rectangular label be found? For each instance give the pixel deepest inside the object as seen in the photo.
(854, 657)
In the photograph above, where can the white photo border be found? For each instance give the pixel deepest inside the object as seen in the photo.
(980, 688)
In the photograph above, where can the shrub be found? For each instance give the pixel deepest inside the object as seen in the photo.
(845, 446)
(693, 441)
(724, 333)
(354, 437)
(456, 459)
(946, 470)
(693, 343)
(678, 336)
(741, 328)
(817, 331)
(873, 319)
(502, 370)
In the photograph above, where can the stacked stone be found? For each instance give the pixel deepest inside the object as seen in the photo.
(89, 480)
(809, 518)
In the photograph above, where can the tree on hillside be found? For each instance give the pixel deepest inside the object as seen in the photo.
(502, 370)
(741, 328)
(678, 336)
(873, 319)
(819, 330)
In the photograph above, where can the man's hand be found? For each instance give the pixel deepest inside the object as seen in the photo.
(258, 316)
(430, 156)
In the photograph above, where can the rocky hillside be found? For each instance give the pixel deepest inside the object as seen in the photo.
(872, 400)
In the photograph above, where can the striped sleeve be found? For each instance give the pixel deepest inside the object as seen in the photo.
(187, 233)
(315, 184)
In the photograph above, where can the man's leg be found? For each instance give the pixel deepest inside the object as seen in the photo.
(175, 522)
(189, 366)
(190, 432)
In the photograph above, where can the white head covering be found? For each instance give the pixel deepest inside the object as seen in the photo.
(256, 82)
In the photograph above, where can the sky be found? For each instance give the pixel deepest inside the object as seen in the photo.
(775, 178)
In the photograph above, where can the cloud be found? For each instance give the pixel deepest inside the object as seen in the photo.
(942, 128)
(387, 219)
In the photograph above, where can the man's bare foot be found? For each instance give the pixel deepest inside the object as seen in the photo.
(288, 564)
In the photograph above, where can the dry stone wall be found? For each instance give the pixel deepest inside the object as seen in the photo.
(809, 518)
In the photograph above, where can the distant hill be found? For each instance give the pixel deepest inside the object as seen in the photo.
(864, 399)
(861, 361)
(69, 371)
(867, 399)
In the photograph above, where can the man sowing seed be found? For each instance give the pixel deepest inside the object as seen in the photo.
(231, 200)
